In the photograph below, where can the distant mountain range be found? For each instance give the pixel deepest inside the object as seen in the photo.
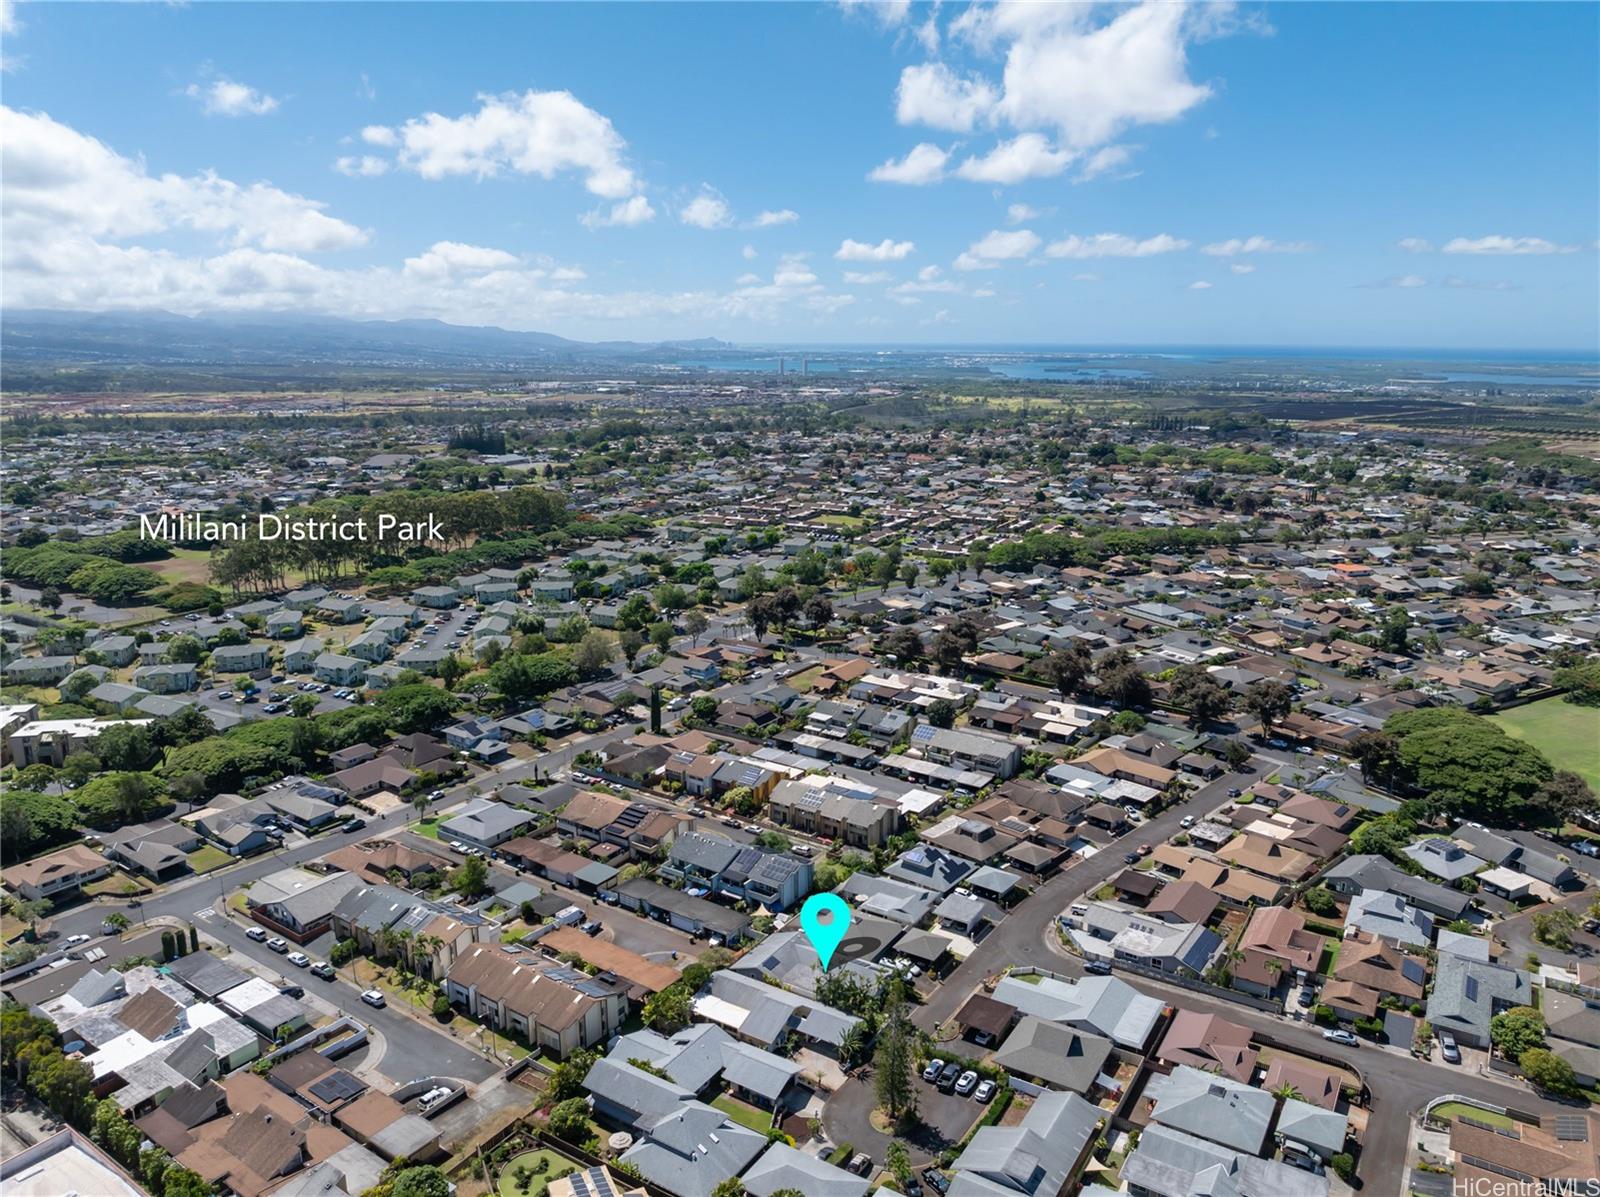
(164, 339)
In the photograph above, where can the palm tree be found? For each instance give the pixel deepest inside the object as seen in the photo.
(1287, 1091)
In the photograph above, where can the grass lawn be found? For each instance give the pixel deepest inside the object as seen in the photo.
(804, 680)
(1330, 957)
(1563, 731)
(554, 1166)
(429, 826)
(1448, 1110)
(207, 857)
(852, 522)
(744, 1114)
(117, 885)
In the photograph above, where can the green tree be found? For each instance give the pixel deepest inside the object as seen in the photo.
(569, 1120)
(424, 1181)
(1270, 702)
(669, 1009)
(895, 1056)
(471, 878)
(1194, 689)
(593, 653)
(1067, 668)
(566, 1078)
(417, 707)
(1548, 1071)
(1581, 682)
(179, 1181)
(1516, 1030)
(899, 1161)
(1555, 928)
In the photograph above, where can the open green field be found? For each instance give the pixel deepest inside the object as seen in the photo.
(1564, 731)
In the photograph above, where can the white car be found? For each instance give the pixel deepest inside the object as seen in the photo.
(255, 933)
(457, 846)
(299, 960)
(1186, 821)
(76, 939)
(278, 944)
(375, 998)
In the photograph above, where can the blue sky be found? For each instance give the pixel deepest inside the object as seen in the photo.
(1334, 174)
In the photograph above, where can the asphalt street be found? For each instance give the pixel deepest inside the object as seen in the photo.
(1400, 1083)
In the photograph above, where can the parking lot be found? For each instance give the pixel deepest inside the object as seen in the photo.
(944, 1119)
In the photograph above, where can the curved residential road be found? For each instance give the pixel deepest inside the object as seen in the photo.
(1401, 1084)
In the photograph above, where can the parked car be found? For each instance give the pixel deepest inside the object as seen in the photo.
(1306, 996)
(591, 928)
(1448, 1048)
(1130, 858)
(375, 998)
(299, 960)
(966, 1083)
(861, 1164)
(1100, 968)
(356, 825)
(948, 1076)
(278, 944)
(985, 1091)
(1344, 1037)
(937, 1181)
(1186, 822)
(1585, 848)
(322, 969)
(932, 1069)
(255, 933)
(76, 939)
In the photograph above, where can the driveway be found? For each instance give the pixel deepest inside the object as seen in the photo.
(945, 1118)
(1516, 933)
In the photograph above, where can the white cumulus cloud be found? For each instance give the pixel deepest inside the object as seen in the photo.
(998, 246)
(771, 219)
(924, 164)
(623, 213)
(708, 210)
(1114, 245)
(1028, 156)
(886, 250)
(224, 97)
(545, 133)
(365, 166)
(933, 94)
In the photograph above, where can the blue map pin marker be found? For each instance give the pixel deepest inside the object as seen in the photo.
(825, 918)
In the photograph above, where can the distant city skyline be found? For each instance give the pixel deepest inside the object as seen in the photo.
(1308, 175)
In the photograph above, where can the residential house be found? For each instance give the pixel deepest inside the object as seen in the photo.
(64, 871)
(553, 1007)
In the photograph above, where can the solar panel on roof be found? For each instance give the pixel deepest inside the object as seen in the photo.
(1572, 1128)
(336, 1087)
